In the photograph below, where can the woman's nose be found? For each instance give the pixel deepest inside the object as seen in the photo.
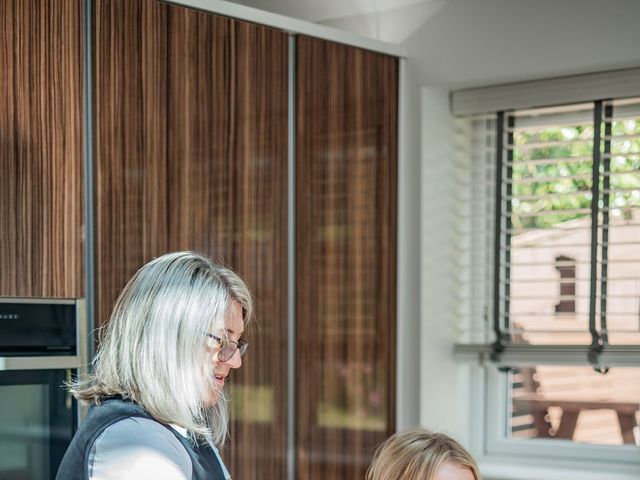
(236, 360)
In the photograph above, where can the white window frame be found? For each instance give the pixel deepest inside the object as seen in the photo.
(534, 459)
(497, 403)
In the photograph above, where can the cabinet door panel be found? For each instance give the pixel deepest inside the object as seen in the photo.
(41, 207)
(191, 153)
(345, 256)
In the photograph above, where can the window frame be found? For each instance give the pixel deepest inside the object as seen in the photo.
(497, 403)
(535, 458)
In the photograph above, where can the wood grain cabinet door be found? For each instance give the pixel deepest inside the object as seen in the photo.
(41, 167)
(191, 153)
(345, 256)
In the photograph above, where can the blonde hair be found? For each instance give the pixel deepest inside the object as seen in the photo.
(153, 350)
(417, 454)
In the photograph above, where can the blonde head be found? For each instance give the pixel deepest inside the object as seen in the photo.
(153, 350)
(417, 454)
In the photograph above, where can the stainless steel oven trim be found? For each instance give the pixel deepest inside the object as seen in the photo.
(55, 301)
(40, 363)
(82, 338)
(83, 350)
(78, 361)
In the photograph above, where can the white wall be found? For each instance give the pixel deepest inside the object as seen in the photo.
(445, 384)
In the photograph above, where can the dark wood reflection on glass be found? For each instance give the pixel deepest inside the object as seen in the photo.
(346, 256)
(191, 153)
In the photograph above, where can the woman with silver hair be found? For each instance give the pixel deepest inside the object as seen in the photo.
(157, 406)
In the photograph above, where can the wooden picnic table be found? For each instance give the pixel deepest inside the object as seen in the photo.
(539, 406)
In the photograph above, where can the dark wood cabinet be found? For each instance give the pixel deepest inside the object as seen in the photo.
(346, 176)
(41, 164)
(191, 153)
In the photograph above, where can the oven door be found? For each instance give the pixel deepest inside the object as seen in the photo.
(38, 417)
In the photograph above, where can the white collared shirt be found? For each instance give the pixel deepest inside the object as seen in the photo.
(140, 448)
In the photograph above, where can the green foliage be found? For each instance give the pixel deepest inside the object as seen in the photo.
(552, 173)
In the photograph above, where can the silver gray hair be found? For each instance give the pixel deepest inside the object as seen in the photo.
(153, 350)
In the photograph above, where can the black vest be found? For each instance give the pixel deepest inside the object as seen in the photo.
(75, 464)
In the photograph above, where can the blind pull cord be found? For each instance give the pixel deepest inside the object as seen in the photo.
(598, 337)
(498, 346)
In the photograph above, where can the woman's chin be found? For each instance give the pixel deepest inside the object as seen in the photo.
(213, 397)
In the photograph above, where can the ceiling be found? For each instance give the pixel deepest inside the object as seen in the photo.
(387, 20)
(318, 11)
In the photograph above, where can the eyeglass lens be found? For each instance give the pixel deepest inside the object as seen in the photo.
(228, 349)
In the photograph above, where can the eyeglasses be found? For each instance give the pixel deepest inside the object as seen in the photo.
(228, 347)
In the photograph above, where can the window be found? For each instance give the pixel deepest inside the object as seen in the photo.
(556, 236)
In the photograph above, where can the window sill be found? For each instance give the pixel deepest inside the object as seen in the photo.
(507, 469)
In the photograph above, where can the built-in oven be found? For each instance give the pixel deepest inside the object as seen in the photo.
(42, 346)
